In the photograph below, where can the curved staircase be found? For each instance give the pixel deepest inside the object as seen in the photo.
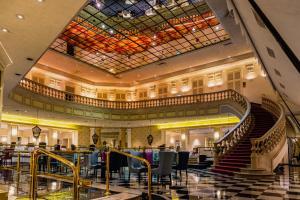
(240, 155)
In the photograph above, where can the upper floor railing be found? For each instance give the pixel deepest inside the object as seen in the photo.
(151, 103)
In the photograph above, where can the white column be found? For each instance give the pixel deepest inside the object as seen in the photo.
(129, 137)
(75, 138)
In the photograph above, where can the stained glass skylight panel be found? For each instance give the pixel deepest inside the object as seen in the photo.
(120, 35)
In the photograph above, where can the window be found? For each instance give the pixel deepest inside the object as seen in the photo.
(143, 94)
(198, 86)
(102, 95)
(120, 96)
(163, 91)
(38, 79)
(215, 79)
(234, 80)
(54, 83)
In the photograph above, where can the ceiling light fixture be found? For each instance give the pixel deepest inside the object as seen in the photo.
(103, 26)
(217, 28)
(193, 29)
(99, 4)
(111, 31)
(19, 16)
(5, 30)
(40, 1)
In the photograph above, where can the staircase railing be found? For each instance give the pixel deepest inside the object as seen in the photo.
(224, 144)
(151, 103)
(33, 172)
(269, 149)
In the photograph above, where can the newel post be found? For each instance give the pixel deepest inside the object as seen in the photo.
(216, 154)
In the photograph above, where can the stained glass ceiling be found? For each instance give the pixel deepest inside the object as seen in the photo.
(120, 35)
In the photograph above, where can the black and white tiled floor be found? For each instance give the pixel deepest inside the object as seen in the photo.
(207, 185)
(202, 184)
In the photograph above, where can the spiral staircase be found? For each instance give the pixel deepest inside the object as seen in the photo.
(256, 145)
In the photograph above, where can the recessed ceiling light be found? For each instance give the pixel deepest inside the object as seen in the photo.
(103, 26)
(97, 53)
(193, 29)
(5, 30)
(19, 16)
(40, 1)
(217, 27)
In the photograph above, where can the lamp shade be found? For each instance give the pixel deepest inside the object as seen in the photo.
(36, 131)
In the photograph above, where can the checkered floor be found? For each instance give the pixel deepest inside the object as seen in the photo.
(203, 184)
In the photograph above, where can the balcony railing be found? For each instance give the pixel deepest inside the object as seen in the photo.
(151, 103)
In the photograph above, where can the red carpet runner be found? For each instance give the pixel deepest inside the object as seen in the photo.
(240, 155)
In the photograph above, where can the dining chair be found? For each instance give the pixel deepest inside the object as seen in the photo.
(182, 162)
(166, 159)
(135, 166)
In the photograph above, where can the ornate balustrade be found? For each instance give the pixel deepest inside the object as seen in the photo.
(230, 95)
(224, 144)
(268, 149)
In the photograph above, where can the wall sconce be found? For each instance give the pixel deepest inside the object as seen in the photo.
(196, 142)
(263, 73)
(111, 96)
(216, 135)
(55, 135)
(172, 140)
(174, 90)
(14, 131)
(152, 94)
(183, 136)
(185, 88)
(250, 75)
(4, 139)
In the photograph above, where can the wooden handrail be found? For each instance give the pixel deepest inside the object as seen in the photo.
(120, 105)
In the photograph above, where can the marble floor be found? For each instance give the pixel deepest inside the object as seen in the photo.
(201, 184)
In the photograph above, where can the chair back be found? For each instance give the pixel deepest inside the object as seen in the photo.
(183, 159)
(166, 159)
(202, 158)
(115, 162)
(8, 153)
(123, 160)
(94, 158)
(134, 163)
